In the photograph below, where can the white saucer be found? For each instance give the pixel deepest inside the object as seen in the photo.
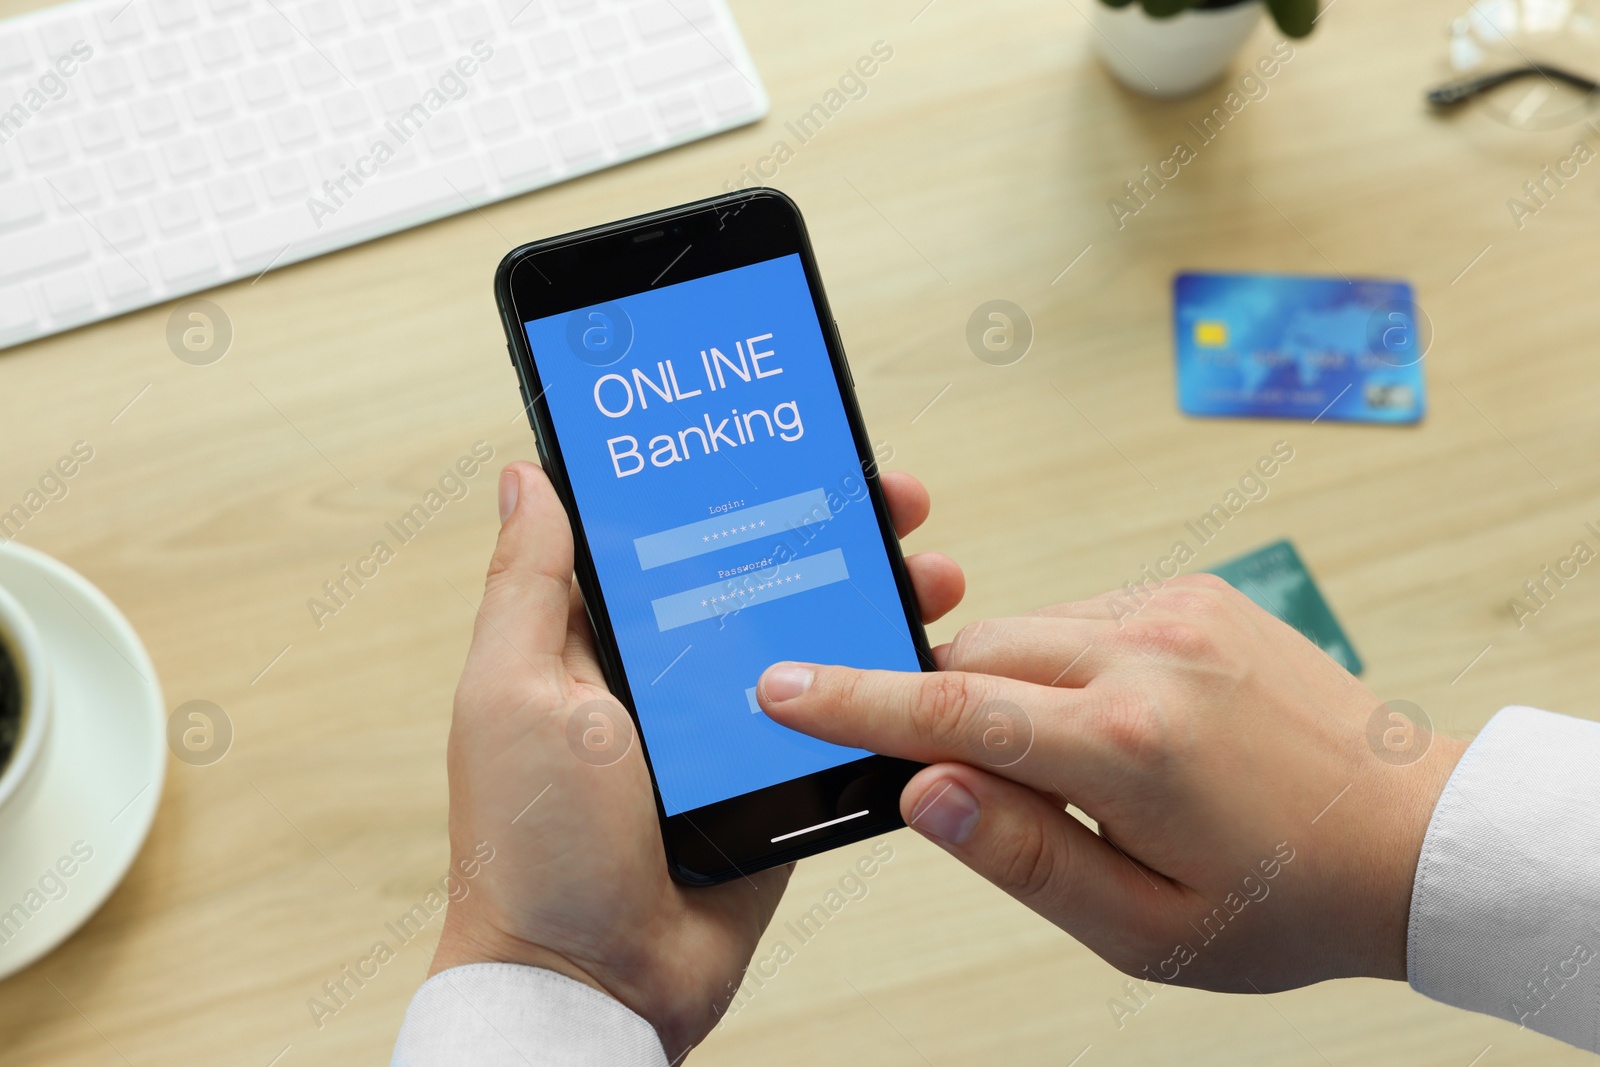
(103, 764)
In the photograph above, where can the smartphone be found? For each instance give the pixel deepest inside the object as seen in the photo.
(692, 406)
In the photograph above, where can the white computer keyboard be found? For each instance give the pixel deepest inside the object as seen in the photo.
(153, 148)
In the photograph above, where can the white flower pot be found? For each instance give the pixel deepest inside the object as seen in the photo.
(1174, 56)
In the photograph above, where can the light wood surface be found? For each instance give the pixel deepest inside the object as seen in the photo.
(978, 166)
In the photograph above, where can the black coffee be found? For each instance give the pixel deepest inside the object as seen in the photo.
(10, 705)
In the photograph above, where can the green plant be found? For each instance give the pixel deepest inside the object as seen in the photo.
(1294, 17)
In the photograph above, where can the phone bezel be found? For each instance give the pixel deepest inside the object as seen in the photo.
(726, 839)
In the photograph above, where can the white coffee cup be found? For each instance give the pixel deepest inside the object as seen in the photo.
(20, 777)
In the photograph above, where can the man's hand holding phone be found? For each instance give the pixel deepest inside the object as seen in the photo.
(1249, 836)
(579, 882)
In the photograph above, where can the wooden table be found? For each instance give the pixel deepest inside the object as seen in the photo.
(978, 166)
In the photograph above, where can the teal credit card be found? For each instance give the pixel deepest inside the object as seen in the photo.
(1275, 578)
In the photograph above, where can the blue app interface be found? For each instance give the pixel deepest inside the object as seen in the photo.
(719, 486)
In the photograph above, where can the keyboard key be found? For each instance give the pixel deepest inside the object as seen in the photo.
(397, 93)
(43, 146)
(520, 159)
(284, 179)
(124, 277)
(230, 195)
(66, 295)
(293, 126)
(377, 10)
(208, 101)
(109, 77)
(19, 205)
(68, 99)
(578, 143)
(163, 62)
(630, 127)
(408, 154)
(334, 161)
(419, 40)
(15, 57)
(153, 116)
(223, 8)
(574, 7)
(187, 261)
(546, 102)
(41, 249)
(129, 173)
(172, 14)
(175, 211)
(446, 134)
(680, 112)
(98, 131)
(218, 47)
(346, 111)
(186, 157)
(554, 50)
(367, 56)
(120, 226)
(77, 187)
(312, 71)
(506, 65)
(118, 24)
(261, 85)
(239, 142)
(664, 18)
(271, 32)
(676, 62)
(604, 34)
(322, 19)
(16, 312)
(470, 24)
(496, 118)
(597, 86)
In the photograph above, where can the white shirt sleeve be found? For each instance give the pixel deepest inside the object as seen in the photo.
(506, 1015)
(1505, 908)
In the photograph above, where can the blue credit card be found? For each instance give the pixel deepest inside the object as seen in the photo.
(1281, 347)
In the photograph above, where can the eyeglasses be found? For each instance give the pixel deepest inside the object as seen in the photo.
(1524, 63)
(1457, 93)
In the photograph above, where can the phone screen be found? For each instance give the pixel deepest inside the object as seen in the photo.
(719, 487)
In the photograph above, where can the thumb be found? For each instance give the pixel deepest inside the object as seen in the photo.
(526, 595)
(1034, 850)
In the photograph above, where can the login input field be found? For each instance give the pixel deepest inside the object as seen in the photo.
(731, 528)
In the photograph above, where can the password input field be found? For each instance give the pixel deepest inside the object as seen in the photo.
(750, 589)
(731, 528)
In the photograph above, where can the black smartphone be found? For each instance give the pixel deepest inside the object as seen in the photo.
(692, 405)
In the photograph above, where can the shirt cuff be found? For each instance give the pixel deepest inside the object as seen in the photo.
(507, 1015)
(1507, 893)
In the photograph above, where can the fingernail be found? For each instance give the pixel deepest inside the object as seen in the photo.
(510, 485)
(785, 681)
(946, 811)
